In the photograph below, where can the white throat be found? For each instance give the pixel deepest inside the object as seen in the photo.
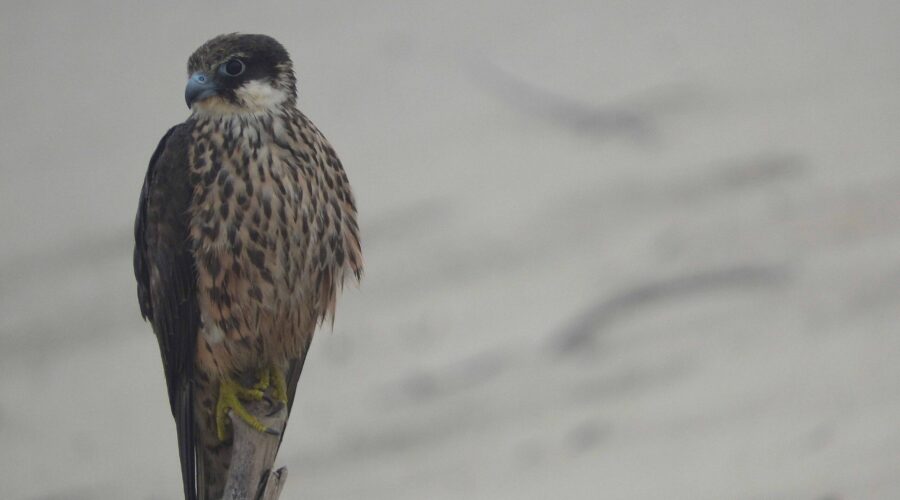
(258, 96)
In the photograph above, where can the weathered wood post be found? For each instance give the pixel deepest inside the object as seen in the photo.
(251, 476)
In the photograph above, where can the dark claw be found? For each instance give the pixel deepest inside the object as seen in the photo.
(272, 431)
(276, 407)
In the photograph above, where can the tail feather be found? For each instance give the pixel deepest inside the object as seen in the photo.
(212, 456)
(183, 411)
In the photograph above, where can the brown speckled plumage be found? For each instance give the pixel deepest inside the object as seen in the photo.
(274, 230)
(269, 233)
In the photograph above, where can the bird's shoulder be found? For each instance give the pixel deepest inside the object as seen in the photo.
(169, 162)
(167, 191)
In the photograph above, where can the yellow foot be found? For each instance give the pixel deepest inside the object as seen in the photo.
(230, 395)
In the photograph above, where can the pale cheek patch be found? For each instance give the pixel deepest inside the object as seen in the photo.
(260, 96)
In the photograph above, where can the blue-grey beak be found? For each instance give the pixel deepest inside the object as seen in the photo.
(199, 87)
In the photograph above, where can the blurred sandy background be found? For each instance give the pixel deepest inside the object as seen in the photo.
(615, 250)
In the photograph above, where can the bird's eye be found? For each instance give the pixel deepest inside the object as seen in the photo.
(233, 67)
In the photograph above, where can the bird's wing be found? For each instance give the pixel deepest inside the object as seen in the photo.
(167, 281)
(293, 374)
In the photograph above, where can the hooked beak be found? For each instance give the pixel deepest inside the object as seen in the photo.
(199, 87)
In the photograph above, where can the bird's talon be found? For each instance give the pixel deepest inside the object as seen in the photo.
(250, 394)
(230, 395)
(276, 407)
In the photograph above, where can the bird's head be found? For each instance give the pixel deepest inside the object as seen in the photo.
(240, 74)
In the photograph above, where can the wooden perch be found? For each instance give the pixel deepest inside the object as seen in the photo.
(250, 475)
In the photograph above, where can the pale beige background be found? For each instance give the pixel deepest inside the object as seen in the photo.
(618, 250)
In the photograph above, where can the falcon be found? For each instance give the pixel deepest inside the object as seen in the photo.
(245, 231)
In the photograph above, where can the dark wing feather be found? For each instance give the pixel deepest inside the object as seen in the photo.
(167, 282)
(293, 373)
(295, 367)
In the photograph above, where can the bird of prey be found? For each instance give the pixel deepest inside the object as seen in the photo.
(245, 230)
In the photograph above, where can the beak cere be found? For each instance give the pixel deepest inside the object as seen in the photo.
(199, 87)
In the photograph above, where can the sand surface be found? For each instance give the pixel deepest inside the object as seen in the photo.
(615, 250)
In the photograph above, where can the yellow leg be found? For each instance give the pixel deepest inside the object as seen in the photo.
(264, 378)
(279, 386)
(230, 395)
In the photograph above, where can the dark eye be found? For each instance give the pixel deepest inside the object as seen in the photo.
(233, 67)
